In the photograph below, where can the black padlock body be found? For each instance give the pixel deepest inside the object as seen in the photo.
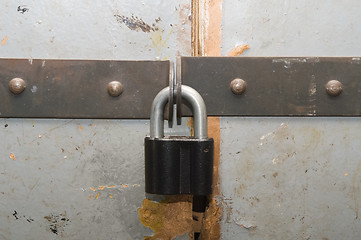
(178, 165)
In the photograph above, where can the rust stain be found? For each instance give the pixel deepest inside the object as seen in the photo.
(345, 173)
(101, 187)
(210, 27)
(80, 127)
(111, 196)
(90, 196)
(190, 124)
(168, 219)
(195, 28)
(124, 185)
(238, 50)
(3, 42)
(113, 186)
(211, 229)
(206, 41)
(97, 196)
(93, 189)
(12, 156)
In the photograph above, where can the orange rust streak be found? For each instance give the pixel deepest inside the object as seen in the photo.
(101, 187)
(124, 185)
(3, 42)
(212, 29)
(93, 189)
(90, 196)
(211, 229)
(238, 50)
(215, 132)
(111, 196)
(12, 156)
(97, 196)
(113, 186)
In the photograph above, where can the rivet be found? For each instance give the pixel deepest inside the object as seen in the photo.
(238, 86)
(17, 85)
(115, 88)
(334, 88)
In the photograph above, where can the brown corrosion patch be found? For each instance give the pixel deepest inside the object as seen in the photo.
(211, 229)
(169, 218)
(238, 50)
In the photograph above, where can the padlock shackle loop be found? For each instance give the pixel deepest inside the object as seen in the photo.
(198, 109)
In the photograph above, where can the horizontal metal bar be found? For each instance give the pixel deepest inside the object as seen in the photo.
(274, 86)
(291, 86)
(78, 88)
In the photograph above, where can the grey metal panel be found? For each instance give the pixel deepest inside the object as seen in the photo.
(49, 167)
(100, 29)
(54, 169)
(292, 28)
(290, 178)
(81, 30)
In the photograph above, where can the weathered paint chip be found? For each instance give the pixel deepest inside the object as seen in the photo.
(3, 42)
(238, 50)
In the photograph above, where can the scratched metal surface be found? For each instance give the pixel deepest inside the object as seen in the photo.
(72, 179)
(100, 29)
(55, 163)
(75, 179)
(326, 28)
(290, 178)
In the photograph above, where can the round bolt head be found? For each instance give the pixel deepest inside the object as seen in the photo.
(17, 85)
(115, 88)
(238, 86)
(333, 88)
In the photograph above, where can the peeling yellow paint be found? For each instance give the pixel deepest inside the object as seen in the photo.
(12, 156)
(3, 42)
(169, 218)
(159, 41)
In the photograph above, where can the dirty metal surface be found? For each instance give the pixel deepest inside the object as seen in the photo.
(78, 88)
(276, 86)
(292, 28)
(127, 29)
(73, 178)
(290, 178)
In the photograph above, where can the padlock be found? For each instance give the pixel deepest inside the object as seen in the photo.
(179, 164)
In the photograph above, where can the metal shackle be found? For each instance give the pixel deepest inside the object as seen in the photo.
(198, 109)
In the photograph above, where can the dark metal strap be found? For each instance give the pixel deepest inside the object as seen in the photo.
(263, 86)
